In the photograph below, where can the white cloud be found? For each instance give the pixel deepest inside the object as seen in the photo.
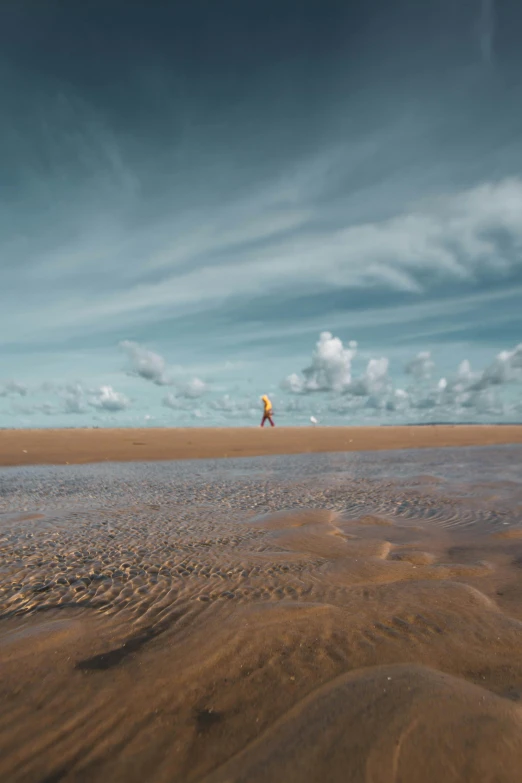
(72, 398)
(146, 364)
(474, 390)
(399, 401)
(506, 368)
(330, 369)
(152, 367)
(293, 383)
(185, 392)
(374, 381)
(340, 393)
(465, 393)
(108, 399)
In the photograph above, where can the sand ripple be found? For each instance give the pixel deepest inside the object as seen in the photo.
(286, 619)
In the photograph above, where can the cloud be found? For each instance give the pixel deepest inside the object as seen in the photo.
(506, 368)
(107, 399)
(456, 236)
(170, 401)
(242, 406)
(225, 404)
(175, 402)
(293, 383)
(330, 372)
(193, 388)
(74, 400)
(152, 367)
(185, 392)
(453, 236)
(374, 382)
(146, 364)
(330, 368)
(486, 28)
(29, 410)
(224, 407)
(421, 367)
(475, 391)
(13, 387)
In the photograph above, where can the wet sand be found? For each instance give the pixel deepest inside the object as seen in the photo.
(329, 617)
(57, 447)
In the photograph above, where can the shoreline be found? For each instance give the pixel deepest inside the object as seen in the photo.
(81, 446)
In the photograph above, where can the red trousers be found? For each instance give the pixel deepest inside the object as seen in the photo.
(267, 417)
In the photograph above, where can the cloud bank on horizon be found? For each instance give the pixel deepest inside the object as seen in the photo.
(327, 386)
(180, 219)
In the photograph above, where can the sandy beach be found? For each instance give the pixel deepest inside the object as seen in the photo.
(345, 617)
(73, 446)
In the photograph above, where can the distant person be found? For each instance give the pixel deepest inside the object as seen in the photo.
(267, 412)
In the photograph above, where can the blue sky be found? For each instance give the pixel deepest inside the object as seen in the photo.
(192, 193)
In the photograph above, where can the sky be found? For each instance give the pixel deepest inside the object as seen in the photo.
(202, 202)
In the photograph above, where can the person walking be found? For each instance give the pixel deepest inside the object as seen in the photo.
(267, 411)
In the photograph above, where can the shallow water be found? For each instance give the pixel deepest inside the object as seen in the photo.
(177, 620)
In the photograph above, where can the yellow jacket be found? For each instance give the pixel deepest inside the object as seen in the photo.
(267, 404)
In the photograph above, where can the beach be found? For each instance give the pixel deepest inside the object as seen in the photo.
(61, 446)
(260, 392)
(350, 615)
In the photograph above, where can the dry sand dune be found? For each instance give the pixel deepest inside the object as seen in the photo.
(35, 447)
(163, 626)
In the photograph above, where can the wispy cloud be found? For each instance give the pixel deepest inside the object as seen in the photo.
(45, 408)
(486, 29)
(220, 214)
(151, 366)
(456, 237)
